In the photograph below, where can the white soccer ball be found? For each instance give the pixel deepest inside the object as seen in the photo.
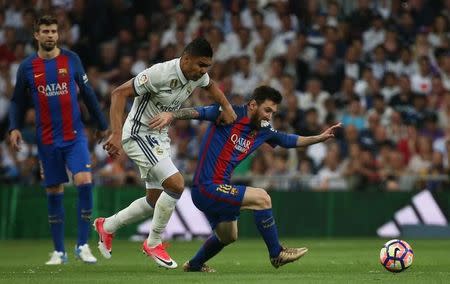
(396, 255)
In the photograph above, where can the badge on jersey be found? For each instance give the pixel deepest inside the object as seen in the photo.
(62, 72)
(142, 79)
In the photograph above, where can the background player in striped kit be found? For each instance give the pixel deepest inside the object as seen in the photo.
(162, 87)
(222, 149)
(49, 79)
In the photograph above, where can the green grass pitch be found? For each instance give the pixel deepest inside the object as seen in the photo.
(246, 261)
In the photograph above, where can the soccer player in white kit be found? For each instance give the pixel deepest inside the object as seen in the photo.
(160, 88)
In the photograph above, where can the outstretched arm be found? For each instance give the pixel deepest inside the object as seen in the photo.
(293, 140)
(201, 113)
(303, 141)
(165, 118)
(186, 113)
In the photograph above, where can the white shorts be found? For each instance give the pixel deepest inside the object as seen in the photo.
(152, 155)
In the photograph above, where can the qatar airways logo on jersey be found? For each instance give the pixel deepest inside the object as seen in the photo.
(55, 89)
(240, 144)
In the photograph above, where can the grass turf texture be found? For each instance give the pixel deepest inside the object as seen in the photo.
(246, 261)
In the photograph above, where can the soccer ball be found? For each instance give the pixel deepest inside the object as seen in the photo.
(396, 255)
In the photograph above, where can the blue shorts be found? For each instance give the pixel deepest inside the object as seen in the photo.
(54, 160)
(219, 202)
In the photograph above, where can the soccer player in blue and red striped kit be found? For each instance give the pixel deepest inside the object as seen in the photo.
(223, 147)
(48, 79)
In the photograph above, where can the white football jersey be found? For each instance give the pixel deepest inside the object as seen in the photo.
(159, 88)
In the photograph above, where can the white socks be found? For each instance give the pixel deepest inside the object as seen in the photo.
(137, 210)
(163, 210)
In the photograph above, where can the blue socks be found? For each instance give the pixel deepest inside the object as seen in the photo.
(56, 219)
(210, 248)
(56, 216)
(266, 226)
(84, 211)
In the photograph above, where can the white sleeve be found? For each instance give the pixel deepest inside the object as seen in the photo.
(203, 81)
(148, 81)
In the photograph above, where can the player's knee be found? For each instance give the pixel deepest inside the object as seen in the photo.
(82, 178)
(179, 188)
(228, 239)
(174, 184)
(83, 182)
(55, 189)
(264, 200)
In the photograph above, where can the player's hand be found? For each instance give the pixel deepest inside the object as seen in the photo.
(227, 116)
(161, 120)
(329, 133)
(113, 145)
(15, 139)
(100, 135)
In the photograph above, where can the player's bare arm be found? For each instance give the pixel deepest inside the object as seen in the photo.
(228, 115)
(119, 98)
(165, 118)
(303, 141)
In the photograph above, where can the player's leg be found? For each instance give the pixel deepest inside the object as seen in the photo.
(54, 174)
(137, 150)
(224, 234)
(138, 209)
(221, 203)
(79, 163)
(55, 197)
(152, 155)
(165, 205)
(173, 185)
(259, 201)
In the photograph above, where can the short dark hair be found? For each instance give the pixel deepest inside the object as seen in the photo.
(263, 93)
(45, 20)
(199, 47)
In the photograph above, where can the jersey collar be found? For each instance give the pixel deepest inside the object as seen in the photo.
(180, 73)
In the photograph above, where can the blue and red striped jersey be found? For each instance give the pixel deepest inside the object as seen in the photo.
(52, 86)
(224, 146)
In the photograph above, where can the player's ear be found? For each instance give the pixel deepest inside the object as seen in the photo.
(187, 58)
(252, 105)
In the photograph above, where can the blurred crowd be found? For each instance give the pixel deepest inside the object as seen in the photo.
(381, 67)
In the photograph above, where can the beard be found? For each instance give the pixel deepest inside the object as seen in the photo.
(255, 121)
(48, 45)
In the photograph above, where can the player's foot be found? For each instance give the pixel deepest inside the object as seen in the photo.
(159, 254)
(205, 268)
(84, 253)
(288, 255)
(104, 238)
(57, 257)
